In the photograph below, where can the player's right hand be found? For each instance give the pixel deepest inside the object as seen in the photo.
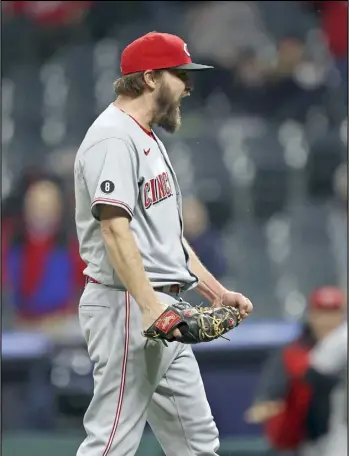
(263, 411)
(151, 314)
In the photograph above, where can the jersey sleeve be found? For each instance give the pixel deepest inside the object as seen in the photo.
(110, 173)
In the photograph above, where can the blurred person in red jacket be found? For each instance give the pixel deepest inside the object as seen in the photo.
(294, 398)
(44, 270)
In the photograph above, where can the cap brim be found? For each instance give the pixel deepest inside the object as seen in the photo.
(193, 67)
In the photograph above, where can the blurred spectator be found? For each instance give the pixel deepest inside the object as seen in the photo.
(250, 69)
(13, 205)
(11, 212)
(294, 399)
(43, 267)
(330, 358)
(290, 52)
(205, 241)
(240, 26)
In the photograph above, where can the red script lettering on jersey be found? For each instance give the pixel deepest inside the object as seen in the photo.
(157, 189)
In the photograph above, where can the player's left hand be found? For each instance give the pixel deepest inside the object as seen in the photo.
(196, 324)
(233, 299)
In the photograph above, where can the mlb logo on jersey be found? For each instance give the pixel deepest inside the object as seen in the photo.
(157, 189)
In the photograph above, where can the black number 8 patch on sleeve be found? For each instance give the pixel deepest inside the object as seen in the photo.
(107, 187)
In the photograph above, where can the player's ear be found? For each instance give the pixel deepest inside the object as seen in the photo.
(151, 78)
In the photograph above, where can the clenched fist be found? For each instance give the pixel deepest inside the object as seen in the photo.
(238, 300)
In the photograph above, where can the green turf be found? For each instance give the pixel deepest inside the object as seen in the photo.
(21, 444)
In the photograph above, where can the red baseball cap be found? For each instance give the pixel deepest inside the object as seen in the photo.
(327, 298)
(157, 51)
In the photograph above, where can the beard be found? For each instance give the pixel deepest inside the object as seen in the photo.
(168, 114)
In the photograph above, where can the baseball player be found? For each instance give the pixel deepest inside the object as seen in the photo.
(130, 230)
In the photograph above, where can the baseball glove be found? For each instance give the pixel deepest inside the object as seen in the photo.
(196, 324)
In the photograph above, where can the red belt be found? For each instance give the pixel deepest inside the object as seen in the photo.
(91, 280)
(167, 288)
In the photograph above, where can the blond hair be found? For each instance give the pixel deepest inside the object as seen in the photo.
(132, 85)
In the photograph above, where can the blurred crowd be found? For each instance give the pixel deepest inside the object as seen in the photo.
(275, 61)
(266, 133)
(261, 159)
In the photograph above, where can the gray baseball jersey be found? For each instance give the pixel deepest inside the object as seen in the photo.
(120, 164)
